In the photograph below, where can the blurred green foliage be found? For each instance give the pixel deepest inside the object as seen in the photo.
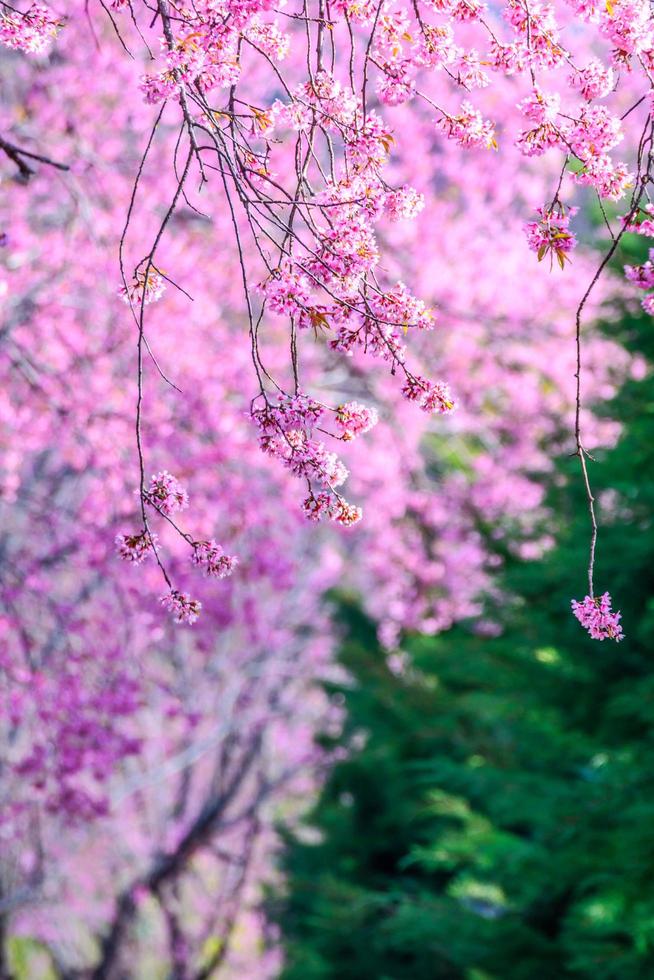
(498, 822)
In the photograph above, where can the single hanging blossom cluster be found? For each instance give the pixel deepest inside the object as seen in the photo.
(543, 110)
(335, 508)
(403, 203)
(180, 605)
(595, 81)
(595, 615)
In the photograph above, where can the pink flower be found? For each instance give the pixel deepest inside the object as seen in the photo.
(32, 31)
(509, 58)
(405, 202)
(469, 128)
(181, 606)
(551, 234)
(269, 39)
(436, 46)
(465, 9)
(345, 513)
(370, 147)
(609, 180)
(431, 396)
(135, 547)
(305, 457)
(166, 493)
(647, 304)
(149, 289)
(359, 11)
(535, 142)
(595, 615)
(396, 86)
(156, 88)
(297, 412)
(469, 71)
(338, 510)
(596, 132)
(317, 506)
(209, 556)
(398, 308)
(287, 291)
(540, 107)
(646, 225)
(354, 419)
(537, 24)
(594, 81)
(641, 275)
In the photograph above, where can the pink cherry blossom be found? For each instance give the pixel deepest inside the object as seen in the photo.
(595, 615)
(180, 605)
(166, 493)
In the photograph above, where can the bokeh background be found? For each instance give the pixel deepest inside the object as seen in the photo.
(379, 754)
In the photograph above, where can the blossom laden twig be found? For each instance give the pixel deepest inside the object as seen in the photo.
(595, 615)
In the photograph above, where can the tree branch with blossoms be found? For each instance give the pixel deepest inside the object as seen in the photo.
(313, 228)
(334, 253)
(288, 288)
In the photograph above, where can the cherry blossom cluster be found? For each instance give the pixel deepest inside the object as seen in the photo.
(287, 433)
(180, 605)
(166, 496)
(551, 235)
(642, 275)
(354, 419)
(166, 493)
(136, 548)
(429, 395)
(32, 31)
(144, 287)
(210, 557)
(595, 615)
